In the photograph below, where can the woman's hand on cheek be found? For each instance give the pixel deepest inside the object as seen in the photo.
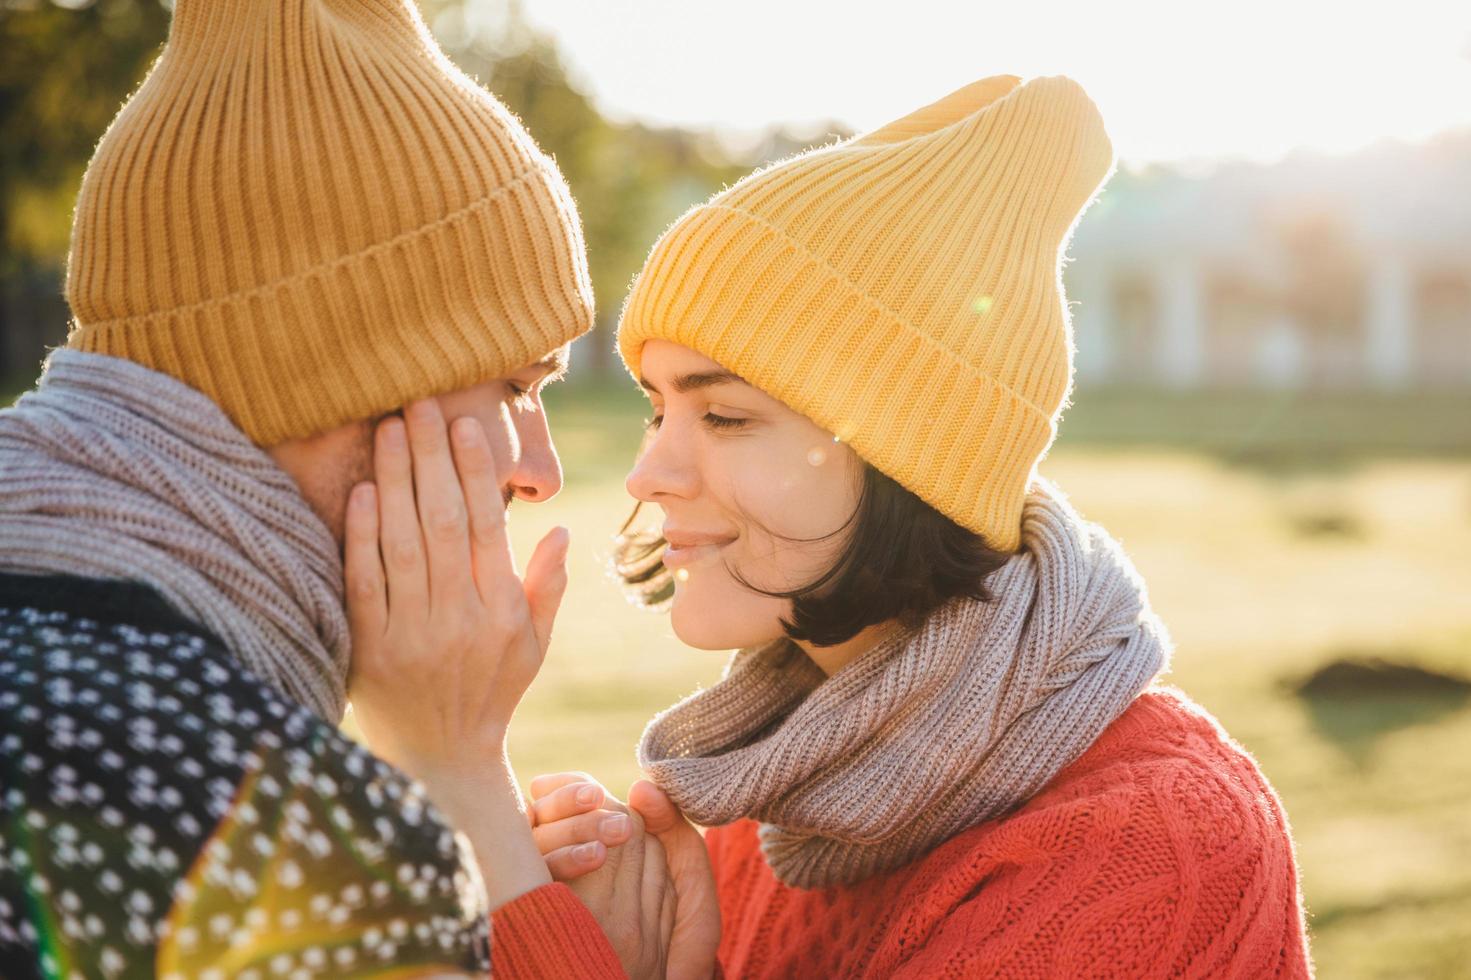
(446, 637)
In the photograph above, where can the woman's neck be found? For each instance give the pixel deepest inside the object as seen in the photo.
(834, 658)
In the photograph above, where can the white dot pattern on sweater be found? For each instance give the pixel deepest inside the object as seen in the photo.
(162, 810)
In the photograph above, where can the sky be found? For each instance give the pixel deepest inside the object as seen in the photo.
(1184, 83)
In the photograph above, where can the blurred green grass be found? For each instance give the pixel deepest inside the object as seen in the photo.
(1277, 533)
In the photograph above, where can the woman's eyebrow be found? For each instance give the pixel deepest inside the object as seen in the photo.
(690, 382)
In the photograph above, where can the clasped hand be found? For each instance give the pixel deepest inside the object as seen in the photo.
(582, 831)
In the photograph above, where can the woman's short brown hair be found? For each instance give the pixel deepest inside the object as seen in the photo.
(902, 561)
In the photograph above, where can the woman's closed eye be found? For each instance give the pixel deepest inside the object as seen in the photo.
(718, 422)
(723, 421)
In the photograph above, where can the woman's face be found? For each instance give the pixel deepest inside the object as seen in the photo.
(741, 479)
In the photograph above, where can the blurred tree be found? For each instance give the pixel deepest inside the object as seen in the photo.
(67, 69)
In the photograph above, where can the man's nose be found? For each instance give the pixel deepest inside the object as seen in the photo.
(537, 473)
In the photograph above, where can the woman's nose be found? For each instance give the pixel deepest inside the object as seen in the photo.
(665, 467)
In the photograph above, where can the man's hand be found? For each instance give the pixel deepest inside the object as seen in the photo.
(573, 824)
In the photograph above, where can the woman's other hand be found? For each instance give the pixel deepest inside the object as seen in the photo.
(446, 637)
(574, 822)
(599, 848)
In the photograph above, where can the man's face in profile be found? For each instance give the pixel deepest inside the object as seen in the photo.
(327, 466)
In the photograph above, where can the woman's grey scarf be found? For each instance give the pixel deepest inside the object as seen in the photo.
(111, 470)
(932, 731)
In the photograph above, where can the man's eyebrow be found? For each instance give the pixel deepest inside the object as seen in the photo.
(690, 382)
(554, 365)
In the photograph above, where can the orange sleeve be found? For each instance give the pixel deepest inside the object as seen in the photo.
(549, 933)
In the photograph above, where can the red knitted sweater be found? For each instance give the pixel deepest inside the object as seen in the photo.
(1161, 852)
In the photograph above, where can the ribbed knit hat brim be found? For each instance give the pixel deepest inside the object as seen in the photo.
(309, 214)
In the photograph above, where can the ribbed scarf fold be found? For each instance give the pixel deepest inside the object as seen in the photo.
(111, 470)
(932, 731)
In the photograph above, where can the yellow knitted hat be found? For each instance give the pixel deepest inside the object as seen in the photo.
(902, 289)
(309, 214)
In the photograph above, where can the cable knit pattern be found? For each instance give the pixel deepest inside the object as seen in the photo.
(932, 731)
(1162, 851)
(112, 470)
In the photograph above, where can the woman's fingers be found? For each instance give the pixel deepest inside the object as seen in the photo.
(546, 583)
(367, 600)
(571, 863)
(443, 516)
(609, 827)
(398, 518)
(653, 804)
(490, 548)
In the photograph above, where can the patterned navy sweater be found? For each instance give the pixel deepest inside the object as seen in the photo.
(164, 812)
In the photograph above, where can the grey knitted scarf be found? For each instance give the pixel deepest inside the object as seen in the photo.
(932, 731)
(111, 470)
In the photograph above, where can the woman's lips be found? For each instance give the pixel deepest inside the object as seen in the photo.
(687, 555)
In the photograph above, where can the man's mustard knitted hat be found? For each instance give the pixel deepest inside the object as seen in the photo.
(902, 289)
(308, 213)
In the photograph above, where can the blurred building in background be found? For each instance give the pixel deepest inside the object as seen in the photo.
(1316, 272)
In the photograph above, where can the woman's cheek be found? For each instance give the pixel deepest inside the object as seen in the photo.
(712, 611)
(801, 489)
(776, 489)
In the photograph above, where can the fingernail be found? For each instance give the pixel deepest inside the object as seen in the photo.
(585, 852)
(394, 433)
(362, 496)
(587, 794)
(614, 826)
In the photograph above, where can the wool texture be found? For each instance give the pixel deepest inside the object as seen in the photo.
(902, 289)
(1163, 851)
(931, 731)
(115, 471)
(308, 213)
